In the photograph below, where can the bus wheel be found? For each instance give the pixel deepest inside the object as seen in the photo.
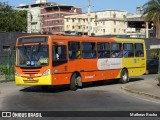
(75, 82)
(124, 76)
(44, 88)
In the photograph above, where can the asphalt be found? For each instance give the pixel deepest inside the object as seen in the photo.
(144, 87)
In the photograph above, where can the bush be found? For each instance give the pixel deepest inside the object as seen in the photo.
(3, 70)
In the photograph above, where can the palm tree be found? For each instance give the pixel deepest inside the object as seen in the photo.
(152, 14)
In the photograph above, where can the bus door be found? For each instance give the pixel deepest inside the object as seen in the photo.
(60, 64)
(140, 58)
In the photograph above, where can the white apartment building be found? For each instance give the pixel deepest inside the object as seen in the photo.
(103, 23)
(78, 24)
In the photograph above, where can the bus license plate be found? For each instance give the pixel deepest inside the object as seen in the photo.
(30, 78)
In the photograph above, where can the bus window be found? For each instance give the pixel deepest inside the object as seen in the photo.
(128, 50)
(35, 55)
(116, 50)
(103, 50)
(139, 50)
(74, 50)
(88, 50)
(59, 55)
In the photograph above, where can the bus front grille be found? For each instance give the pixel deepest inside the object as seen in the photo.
(34, 71)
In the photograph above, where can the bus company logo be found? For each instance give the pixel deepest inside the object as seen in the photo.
(30, 75)
(6, 114)
(105, 62)
(20, 114)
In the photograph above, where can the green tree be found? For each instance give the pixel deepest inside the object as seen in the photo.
(12, 20)
(152, 14)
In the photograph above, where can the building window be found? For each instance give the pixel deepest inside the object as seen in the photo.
(6, 48)
(114, 15)
(114, 30)
(67, 20)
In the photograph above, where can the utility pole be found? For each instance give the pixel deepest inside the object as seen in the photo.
(89, 18)
(29, 29)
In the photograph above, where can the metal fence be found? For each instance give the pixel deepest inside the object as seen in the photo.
(7, 68)
(7, 54)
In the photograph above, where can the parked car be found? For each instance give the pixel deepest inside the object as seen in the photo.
(152, 66)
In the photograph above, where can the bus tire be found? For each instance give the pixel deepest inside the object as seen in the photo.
(124, 76)
(75, 82)
(44, 88)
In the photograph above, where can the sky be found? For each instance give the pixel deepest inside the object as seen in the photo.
(96, 5)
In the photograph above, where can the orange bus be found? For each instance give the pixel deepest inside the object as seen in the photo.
(56, 60)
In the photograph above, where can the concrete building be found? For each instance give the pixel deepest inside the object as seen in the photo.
(53, 16)
(34, 21)
(78, 24)
(46, 16)
(103, 23)
(110, 22)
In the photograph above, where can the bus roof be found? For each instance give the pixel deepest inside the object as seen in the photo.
(85, 38)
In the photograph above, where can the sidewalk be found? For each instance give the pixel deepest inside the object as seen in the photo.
(144, 87)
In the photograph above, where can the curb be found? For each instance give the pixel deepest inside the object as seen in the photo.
(140, 93)
(4, 81)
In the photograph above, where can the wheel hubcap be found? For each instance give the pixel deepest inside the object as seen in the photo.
(124, 76)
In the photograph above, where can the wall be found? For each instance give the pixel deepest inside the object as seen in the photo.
(8, 39)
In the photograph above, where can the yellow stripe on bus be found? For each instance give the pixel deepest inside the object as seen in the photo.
(45, 80)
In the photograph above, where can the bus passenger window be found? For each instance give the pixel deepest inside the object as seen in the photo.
(116, 50)
(128, 50)
(139, 52)
(88, 50)
(74, 50)
(103, 50)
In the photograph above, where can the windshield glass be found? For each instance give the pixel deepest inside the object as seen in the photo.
(37, 55)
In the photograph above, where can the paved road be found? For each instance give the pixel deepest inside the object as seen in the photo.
(107, 97)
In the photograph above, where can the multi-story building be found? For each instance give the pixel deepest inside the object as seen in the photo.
(103, 23)
(78, 24)
(110, 22)
(47, 16)
(53, 16)
(34, 21)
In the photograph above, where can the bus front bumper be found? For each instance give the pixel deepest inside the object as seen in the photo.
(44, 80)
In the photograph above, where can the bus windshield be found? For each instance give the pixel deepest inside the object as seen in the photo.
(32, 56)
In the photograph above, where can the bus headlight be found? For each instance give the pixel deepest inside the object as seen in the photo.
(16, 73)
(47, 72)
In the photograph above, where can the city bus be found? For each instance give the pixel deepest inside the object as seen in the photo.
(48, 60)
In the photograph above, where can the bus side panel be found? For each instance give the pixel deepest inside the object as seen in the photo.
(61, 79)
